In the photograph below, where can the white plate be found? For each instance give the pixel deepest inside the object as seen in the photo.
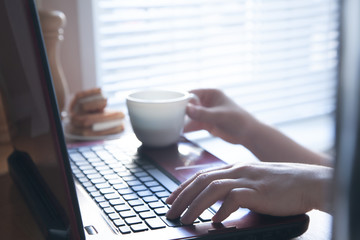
(72, 136)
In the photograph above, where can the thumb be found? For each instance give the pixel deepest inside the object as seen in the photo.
(239, 197)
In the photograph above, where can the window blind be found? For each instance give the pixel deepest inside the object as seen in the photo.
(276, 58)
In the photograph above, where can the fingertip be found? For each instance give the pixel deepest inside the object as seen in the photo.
(217, 219)
(170, 200)
(186, 219)
(170, 214)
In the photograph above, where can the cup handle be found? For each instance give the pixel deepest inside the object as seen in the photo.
(194, 99)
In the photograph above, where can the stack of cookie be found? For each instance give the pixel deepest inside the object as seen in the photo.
(89, 116)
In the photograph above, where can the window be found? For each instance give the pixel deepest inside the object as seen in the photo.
(277, 58)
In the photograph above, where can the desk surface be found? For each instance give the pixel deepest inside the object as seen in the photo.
(16, 221)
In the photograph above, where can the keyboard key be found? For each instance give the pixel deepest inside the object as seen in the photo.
(100, 166)
(133, 220)
(146, 179)
(157, 189)
(97, 148)
(128, 213)
(94, 176)
(129, 178)
(87, 169)
(151, 183)
(157, 204)
(82, 178)
(91, 189)
(95, 194)
(76, 157)
(109, 210)
(119, 222)
(171, 222)
(174, 222)
(121, 172)
(103, 154)
(99, 199)
(116, 180)
(104, 204)
(144, 193)
(97, 162)
(89, 154)
(125, 191)
(147, 214)
(84, 149)
(117, 201)
(120, 185)
(141, 174)
(102, 185)
(161, 211)
(129, 197)
(83, 164)
(141, 208)
(155, 223)
(139, 227)
(134, 183)
(105, 172)
(165, 180)
(136, 202)
(136, 170)
(97, 180)
(107, 190)
(150, 199)
(162, 194)
(124, 229)
(139, 188)
(122, 207)
(111, 176)
(114, 216)
(112, 196)
(206, 216)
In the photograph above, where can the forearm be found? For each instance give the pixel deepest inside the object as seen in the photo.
(270, 145)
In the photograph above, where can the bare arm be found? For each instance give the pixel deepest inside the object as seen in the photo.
(222, 117)
(270, 145)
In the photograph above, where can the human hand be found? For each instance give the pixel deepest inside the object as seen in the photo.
(222, 117)
(219, 115)
(279, 189)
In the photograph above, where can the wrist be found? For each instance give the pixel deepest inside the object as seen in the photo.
(322, 189)
(252, 133)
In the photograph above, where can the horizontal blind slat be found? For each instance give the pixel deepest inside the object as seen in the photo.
(273, 56)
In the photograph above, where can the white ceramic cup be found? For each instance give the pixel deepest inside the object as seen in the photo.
(157, 116)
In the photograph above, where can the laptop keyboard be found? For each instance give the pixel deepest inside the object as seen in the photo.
(130, 191)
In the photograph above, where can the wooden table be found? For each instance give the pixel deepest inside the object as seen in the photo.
(16, 221)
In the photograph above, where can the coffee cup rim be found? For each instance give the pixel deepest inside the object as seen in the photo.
(130, 96)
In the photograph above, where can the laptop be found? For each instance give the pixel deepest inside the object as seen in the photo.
(111, 189)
